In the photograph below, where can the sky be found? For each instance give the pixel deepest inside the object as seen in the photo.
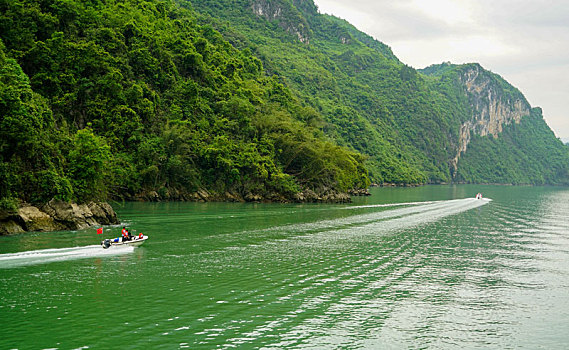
(524, 41)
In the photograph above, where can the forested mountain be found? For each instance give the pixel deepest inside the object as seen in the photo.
(507, 141)
(414, 126)
(241, 99)
(119, 98)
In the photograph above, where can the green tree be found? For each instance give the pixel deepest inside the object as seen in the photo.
(88, 160)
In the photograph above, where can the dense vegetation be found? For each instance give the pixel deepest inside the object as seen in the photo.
(406, 121)
(491, 160)
(121, 97)
(108, 98)
(370, 100)
(524, 153)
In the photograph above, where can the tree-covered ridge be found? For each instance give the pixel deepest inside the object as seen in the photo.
(259, 98)
(453, 74)
(408, 122)
(118, 98)
(525, 152)
(369, 99)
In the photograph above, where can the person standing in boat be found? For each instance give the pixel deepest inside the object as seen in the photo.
(125, 234)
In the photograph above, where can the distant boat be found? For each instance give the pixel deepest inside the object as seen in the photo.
(479, 195)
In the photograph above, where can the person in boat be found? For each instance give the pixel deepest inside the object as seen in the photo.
(126, 236)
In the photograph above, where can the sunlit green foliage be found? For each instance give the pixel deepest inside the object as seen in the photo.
(116, 98)
(88, 159)
(370, 101)
(406, 122)
(30, 156)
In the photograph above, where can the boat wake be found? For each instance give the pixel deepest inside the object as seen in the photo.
(44, 256)
(330, 268)
(408, 215)
(389, 218)
(391, 205)
(417, 214)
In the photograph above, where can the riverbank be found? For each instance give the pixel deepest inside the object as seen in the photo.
(324, 195)
(62, 216)
(56, 216)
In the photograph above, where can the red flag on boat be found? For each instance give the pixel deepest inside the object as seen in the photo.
(100, 231)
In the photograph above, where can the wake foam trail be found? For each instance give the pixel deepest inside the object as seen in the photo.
(412, 214)
(317, 298)
(432, 214)
(391, 205)
(44, 256)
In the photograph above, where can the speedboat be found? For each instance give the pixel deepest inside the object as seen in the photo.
(134, 242)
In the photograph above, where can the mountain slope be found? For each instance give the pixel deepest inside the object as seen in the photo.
(505, 140)
(414, 126)
(126, 98)
(241, 99)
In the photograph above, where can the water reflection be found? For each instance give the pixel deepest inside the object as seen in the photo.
(436, 270)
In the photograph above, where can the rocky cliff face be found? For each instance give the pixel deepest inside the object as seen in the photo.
(491, 107)
(287, 16)
(57, 216)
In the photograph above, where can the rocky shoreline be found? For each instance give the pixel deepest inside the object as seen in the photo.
(62, 216)
(56, 216)
(202, 195)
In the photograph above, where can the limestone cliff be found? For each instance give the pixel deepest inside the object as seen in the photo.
(493, 105)
(286, 15)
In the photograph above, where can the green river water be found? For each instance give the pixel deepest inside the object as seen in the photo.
(426, 267)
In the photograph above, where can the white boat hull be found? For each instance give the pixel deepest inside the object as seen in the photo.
(134, 242)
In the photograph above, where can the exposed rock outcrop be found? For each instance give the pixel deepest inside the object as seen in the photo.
(359, 192)
(56, 216)
(323, 195)
(34, 219)
(492, 109)
(286, 15)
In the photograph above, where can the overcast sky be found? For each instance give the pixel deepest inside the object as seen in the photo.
(524, 41)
